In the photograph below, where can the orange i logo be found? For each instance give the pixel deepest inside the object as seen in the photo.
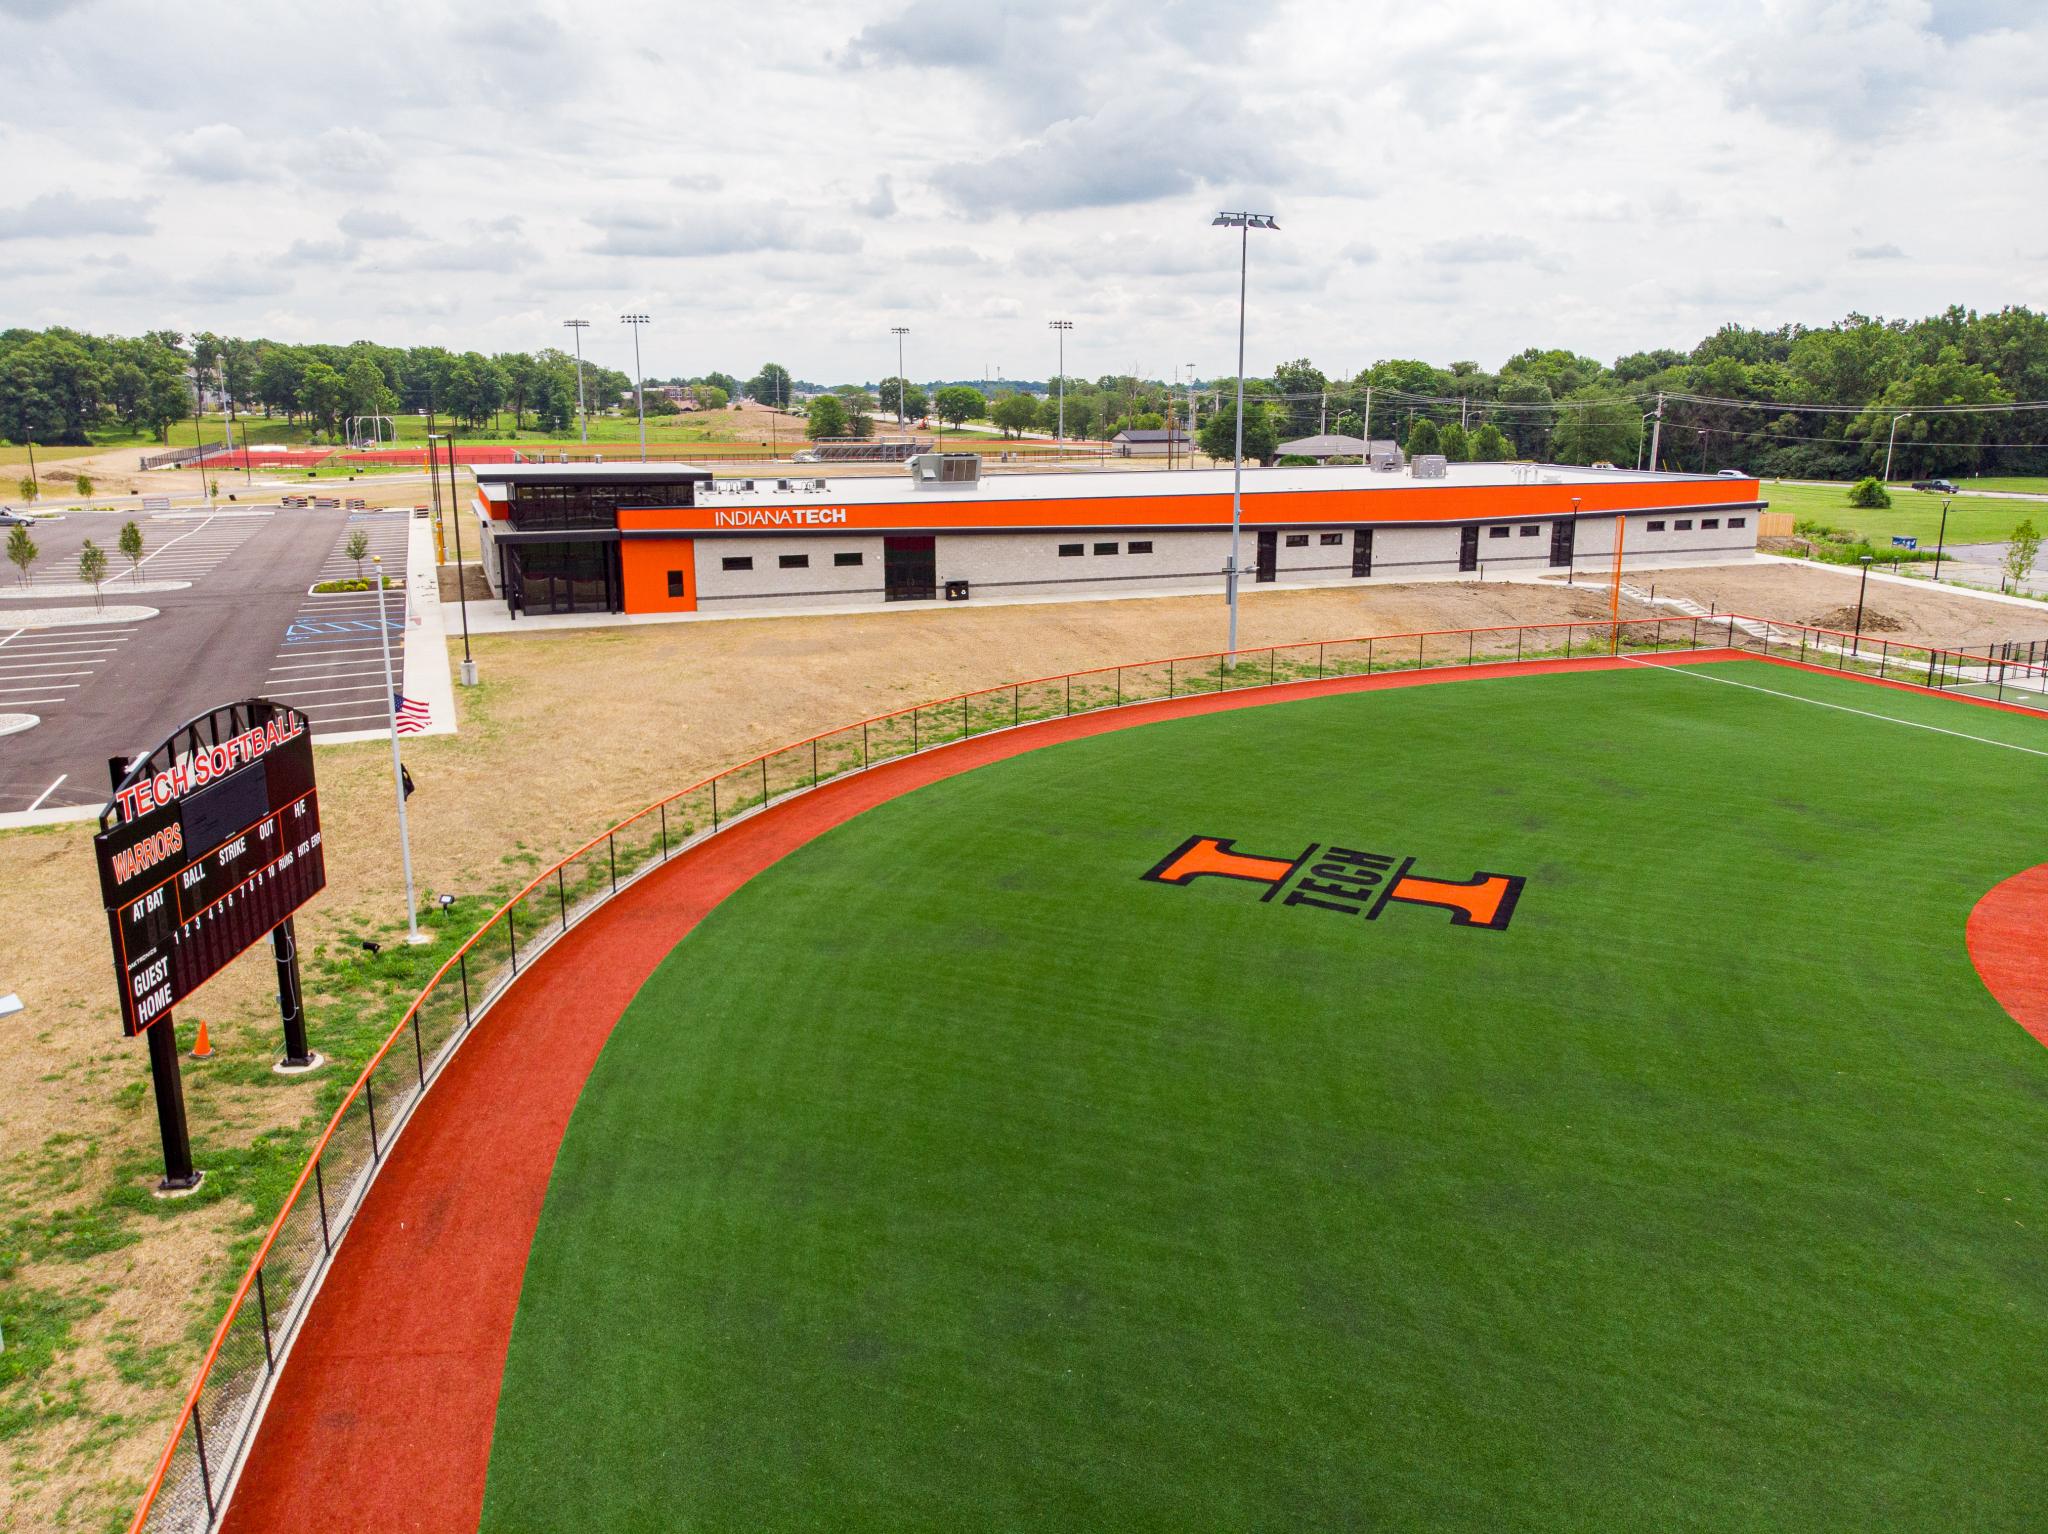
(1344, 880)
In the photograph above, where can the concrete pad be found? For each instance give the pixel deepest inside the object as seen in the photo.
(49, 589)
(74, 617)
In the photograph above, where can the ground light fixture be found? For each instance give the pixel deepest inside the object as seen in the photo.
(1244, 223)
(639, 397)
(582, 417)
(1856, 643)
(1062, 327)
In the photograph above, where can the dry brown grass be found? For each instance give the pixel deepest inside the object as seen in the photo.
(569, 731)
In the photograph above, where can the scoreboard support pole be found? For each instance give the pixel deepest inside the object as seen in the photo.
(284, 948)
(179, 1177)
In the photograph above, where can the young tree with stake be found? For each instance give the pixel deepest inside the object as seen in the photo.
(92, 568)
(2021, 551)
(358, 549)
(131, 549)
(22, 551)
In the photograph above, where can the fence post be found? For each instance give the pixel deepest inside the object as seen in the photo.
(263, 1310)
(1319, 662)
(205, 1472)
(611, 847)
(1468, 645)
(814, 761)
(1169, 679)
(1070, 692)
(1884, 650)
(320, 1192)
(561, 899)
(1368, 657)
(764, 782)
(1731, 631)
(419, 1054)
(863, 747)
(462, 963)
(1695, 633)
(714, 805)
(1272, 663)
(913, 730)
(1418, 652)
(512, 937)
(1016, 703)
(1119, 687)
(664, 830)
(370, 1102)
(965, 731)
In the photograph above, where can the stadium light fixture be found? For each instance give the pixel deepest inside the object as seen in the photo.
(455, 516)
(1062, 327)
(1244, 223)
(899, 332)
(639, 394)
(582, 416)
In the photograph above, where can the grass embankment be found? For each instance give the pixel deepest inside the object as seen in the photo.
(1912, 514)
(952, 1176)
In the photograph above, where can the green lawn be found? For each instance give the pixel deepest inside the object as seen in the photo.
(950, 1176)
(2035, 485)
(1912, 513)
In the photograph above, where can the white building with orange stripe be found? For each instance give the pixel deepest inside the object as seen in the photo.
(672, 538)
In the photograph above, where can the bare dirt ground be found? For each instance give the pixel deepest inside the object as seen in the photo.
(568, 732)
(1803, 593)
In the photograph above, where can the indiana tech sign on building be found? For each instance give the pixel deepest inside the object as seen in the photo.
(670, 538)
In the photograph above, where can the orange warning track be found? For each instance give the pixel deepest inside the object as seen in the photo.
(2008, 938)
(382, 1416)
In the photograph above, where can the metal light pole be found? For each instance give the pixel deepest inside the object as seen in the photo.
(455, 516)
(1856, 644)
(639, 398)
(198, 441)
(412, 915)
(1891, 441)
(582, 416)
(1642, 442)
(1657, 433)
(1062, 327)
(1941, 538)
(1244, 223)
(899, 332)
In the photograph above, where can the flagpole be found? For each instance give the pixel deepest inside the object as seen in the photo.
(412, 919)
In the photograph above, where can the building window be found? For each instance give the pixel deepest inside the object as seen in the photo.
(842, 560)
(1683, 525)
(1531, 530)
(793, 561)
(1738, 521)
(1141, 546)
(1333, 540)
(675, 583)
(1297, 540)
(738, 561)
(1069, 550)
(1657, 526)
(1105, 548)
(1706, 522)
(1496, 532)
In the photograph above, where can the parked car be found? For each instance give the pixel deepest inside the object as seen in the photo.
(1733, 474)
(1940, 486)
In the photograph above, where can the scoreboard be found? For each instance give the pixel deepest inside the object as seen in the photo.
(211, 853)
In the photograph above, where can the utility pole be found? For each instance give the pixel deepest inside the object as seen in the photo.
(1194, 414)
(1657, 433)
(1061, 327)
(582, 416)
(639, 398)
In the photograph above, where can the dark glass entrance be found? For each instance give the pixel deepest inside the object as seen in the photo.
(1561, 543)
(569, 577)
(1269, 556)
(910, 569)
(1468, 548)
(1361, 551)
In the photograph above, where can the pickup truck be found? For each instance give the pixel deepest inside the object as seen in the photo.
(1941, 486)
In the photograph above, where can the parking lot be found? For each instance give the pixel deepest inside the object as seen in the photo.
(219, 608)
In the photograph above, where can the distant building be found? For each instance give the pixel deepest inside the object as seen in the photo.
(1381, 452)
(1149, 443)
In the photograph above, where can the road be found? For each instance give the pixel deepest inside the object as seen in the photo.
(234, 619)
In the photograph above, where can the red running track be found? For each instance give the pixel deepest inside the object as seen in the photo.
(382, 1417)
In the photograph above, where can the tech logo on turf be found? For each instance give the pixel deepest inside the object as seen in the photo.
(1340, 879)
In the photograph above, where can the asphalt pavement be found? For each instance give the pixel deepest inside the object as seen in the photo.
(234, 620)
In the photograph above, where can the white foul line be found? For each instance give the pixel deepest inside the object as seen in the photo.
(1843, 708)
(47, 792)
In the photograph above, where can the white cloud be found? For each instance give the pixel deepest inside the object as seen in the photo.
(718, 230)
(216, 152)
(63, 215)
(346, 157)
(376, 224)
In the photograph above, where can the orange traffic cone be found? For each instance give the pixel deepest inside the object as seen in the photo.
(202, 1047)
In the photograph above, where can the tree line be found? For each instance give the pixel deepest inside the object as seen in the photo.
(1733, 400)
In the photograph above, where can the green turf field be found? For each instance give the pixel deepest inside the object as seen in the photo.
(952, 1176)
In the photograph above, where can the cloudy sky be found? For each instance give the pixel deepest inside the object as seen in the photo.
(787, 180)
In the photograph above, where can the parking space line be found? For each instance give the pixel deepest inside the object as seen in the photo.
(47, 792)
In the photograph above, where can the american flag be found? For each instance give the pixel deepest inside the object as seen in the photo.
(410, 713)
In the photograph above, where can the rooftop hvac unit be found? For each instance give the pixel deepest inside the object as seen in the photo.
(935, 471)
(1431, 466)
